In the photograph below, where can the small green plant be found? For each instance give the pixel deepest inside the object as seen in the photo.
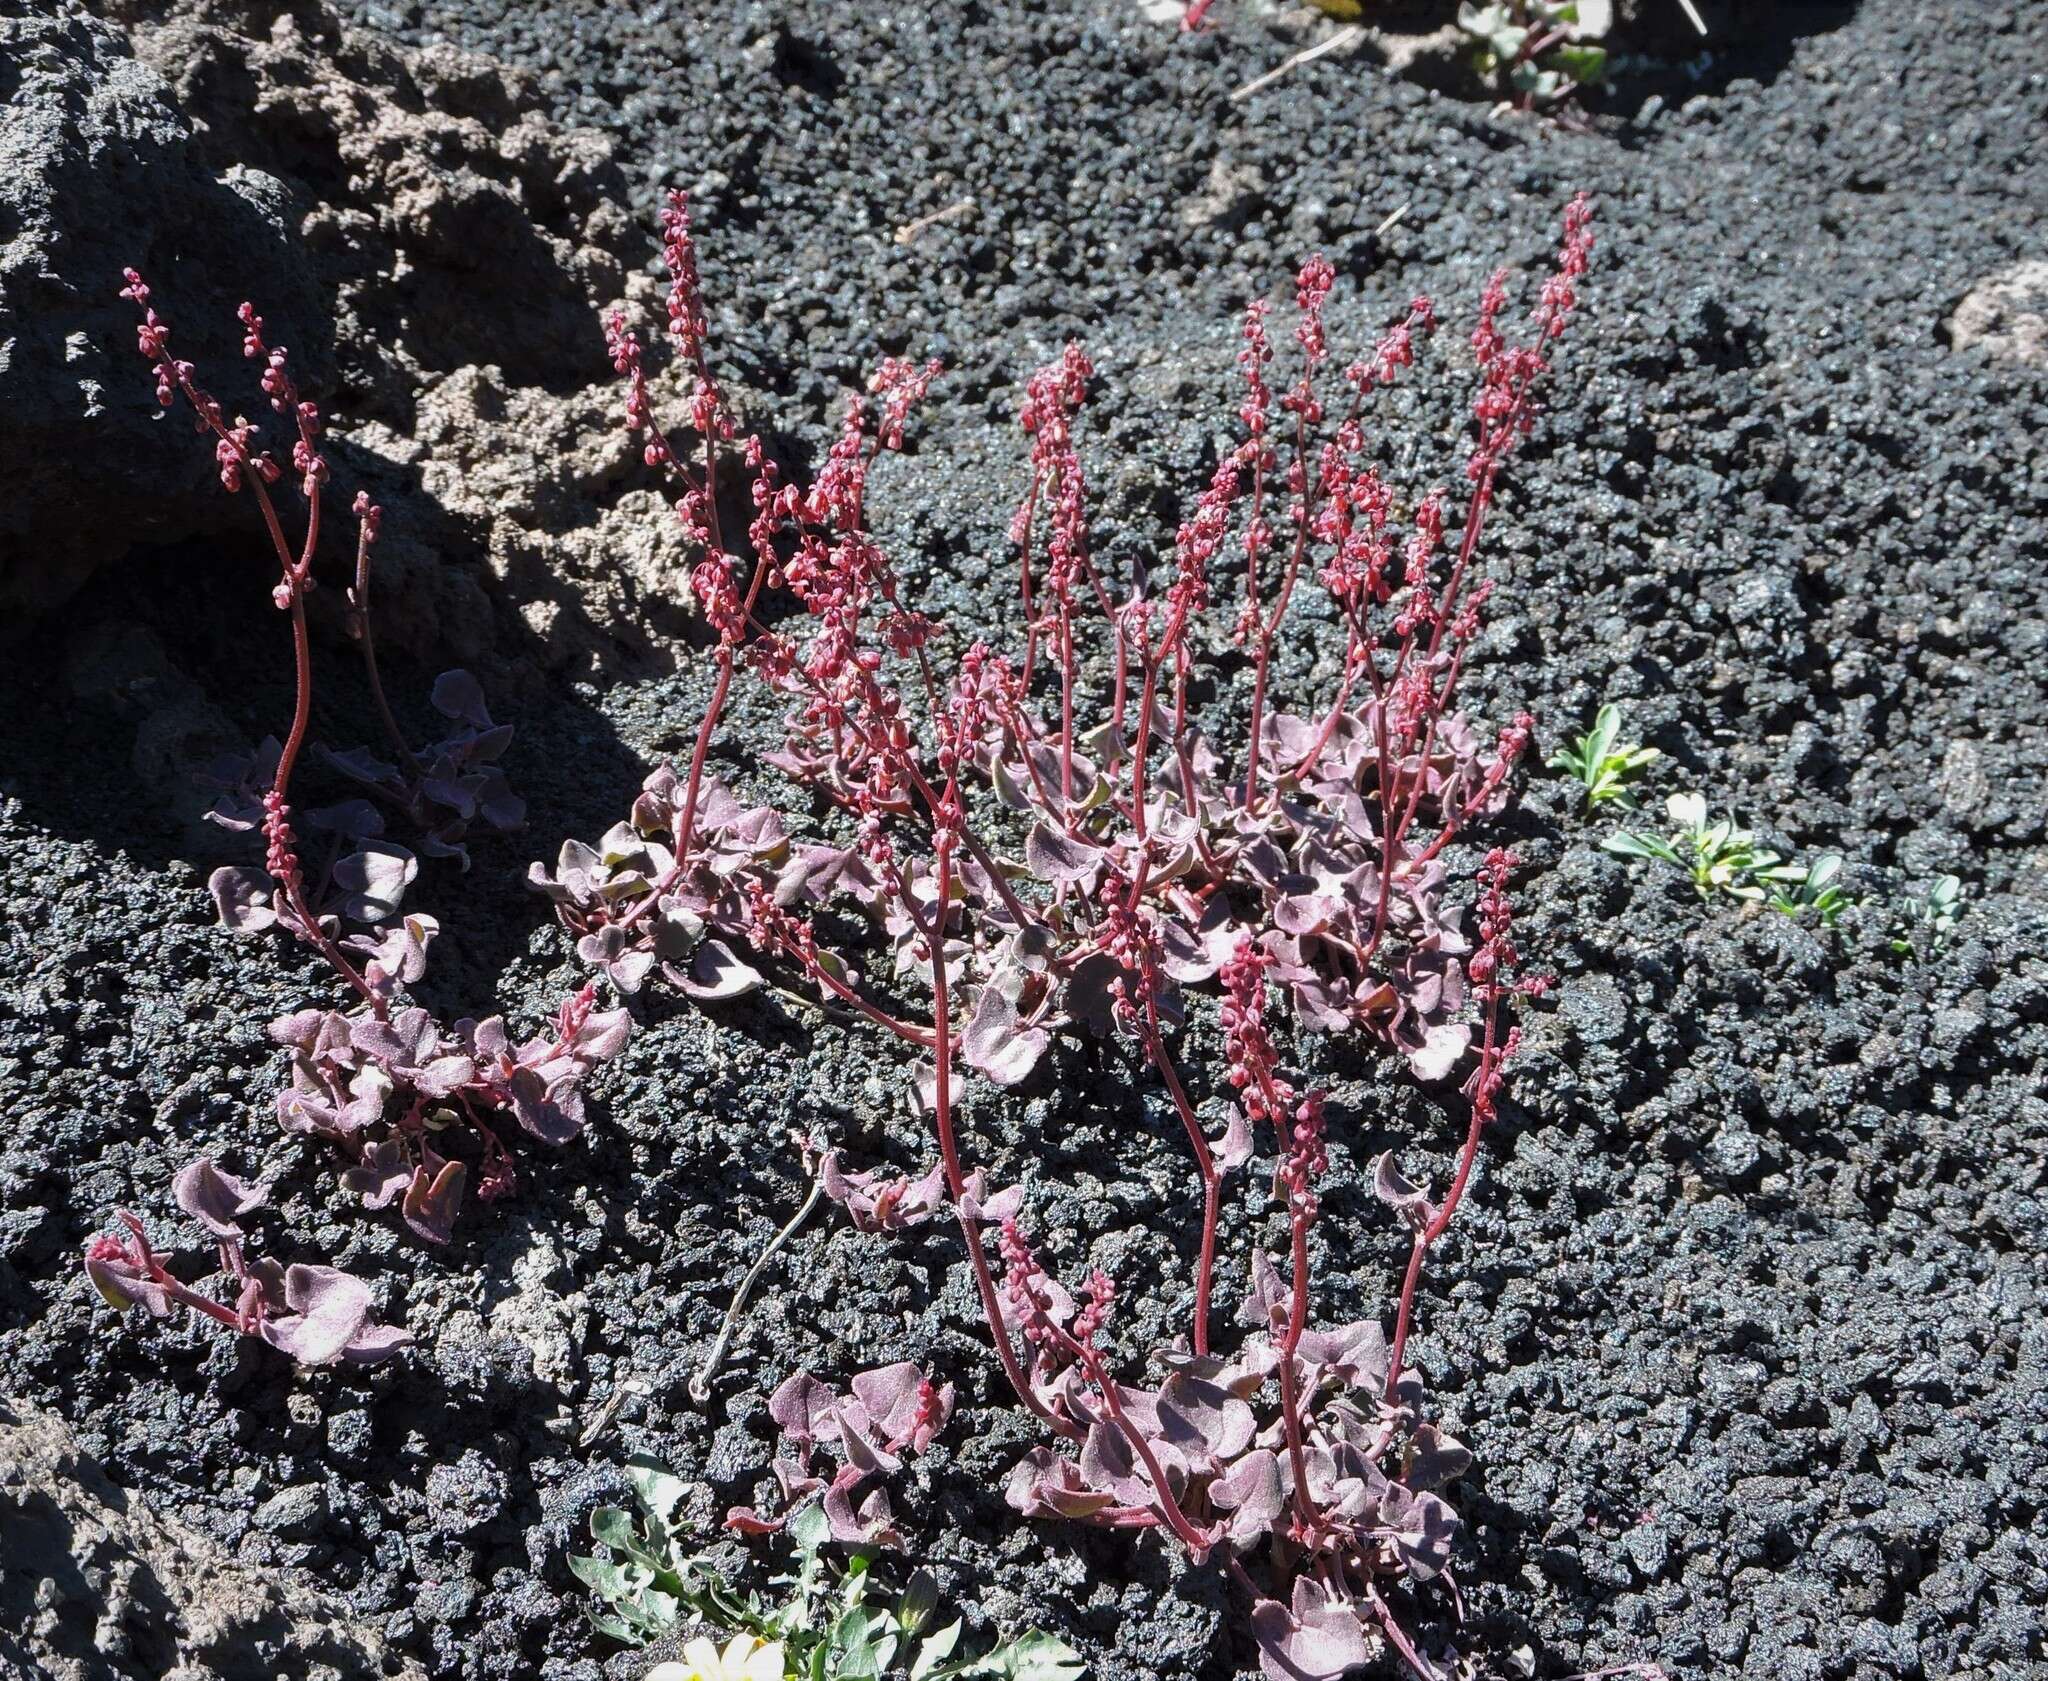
(1720, 857)
(821, 1623)
(1538, 50)
(1603, 767)
(1929, 917)
(1815, 887)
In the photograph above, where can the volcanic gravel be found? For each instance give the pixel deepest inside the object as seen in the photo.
(1743, 1321)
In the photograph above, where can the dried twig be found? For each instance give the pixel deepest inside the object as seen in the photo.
(700, 1385)
(1343, 38)
(911, 229)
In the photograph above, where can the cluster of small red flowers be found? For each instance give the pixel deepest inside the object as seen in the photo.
(1512, 744)
(926, 1421)
(687, 325)
(1248, 1048)
(624, 345)
(1353, 521)
(1052, 397)
(1508, 373)
(1132, 942)
(1496, 957)
(153, 339)
(1021, 1274)
(988, 697)
(284, 397)
(1202, 534)
(1306, 1158)
(901, 385)
(770, 927)
(1420, 609)
(1100, 1301)
(1395, 350)
(281, 857)
(1312, 288)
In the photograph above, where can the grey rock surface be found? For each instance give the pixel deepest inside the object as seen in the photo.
(95, 1584)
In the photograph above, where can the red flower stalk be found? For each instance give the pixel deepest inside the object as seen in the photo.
(1493, 977)
(241, 463)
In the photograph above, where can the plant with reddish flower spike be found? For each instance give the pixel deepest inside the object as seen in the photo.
(386, 1083)
(1493, 978)
(1313, 873)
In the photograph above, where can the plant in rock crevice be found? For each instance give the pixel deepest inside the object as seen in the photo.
(1815, 887)
(1722, 858)
(1538, 51)
(1309, 865)
(387, 1084)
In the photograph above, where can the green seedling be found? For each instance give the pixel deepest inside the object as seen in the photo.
(1601, 766)
(1719, 857)
(1818, 888)
(830, 1622)
(1930, 916)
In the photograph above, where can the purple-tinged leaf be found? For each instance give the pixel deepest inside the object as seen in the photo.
(1442, 1045)
(1254, 1492)
(1434, 1459)
(978, 1208)
(1319, 1639)
(879, 1203)
(357, 819)
(717, 972)
(603, 1035)
(549, 1113)
(451, 792)
(363, 766)
(865, 1455)
(242, 899)
(434, 1197)
(1266, 1302)
(328, 1312)
(1422, 1528)
(903, 1404)
(504, 810)
(375, 1342)
(873, 1525)
(1089, 999)
(117, 1273)
(1203, 1422)
(381, 1175)
(458, 695)
(1053, 855)
(795, 1477)
(995, 1043)
(1044, 1485)
(215, 1199)
(805, 1409)
(1355, 1354)
(1411, 1202)
(373, 881)
(1234, 1148)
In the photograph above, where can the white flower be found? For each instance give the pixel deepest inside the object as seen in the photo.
(745, 1658)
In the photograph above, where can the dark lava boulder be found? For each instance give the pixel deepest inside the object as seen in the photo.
(97, 171)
